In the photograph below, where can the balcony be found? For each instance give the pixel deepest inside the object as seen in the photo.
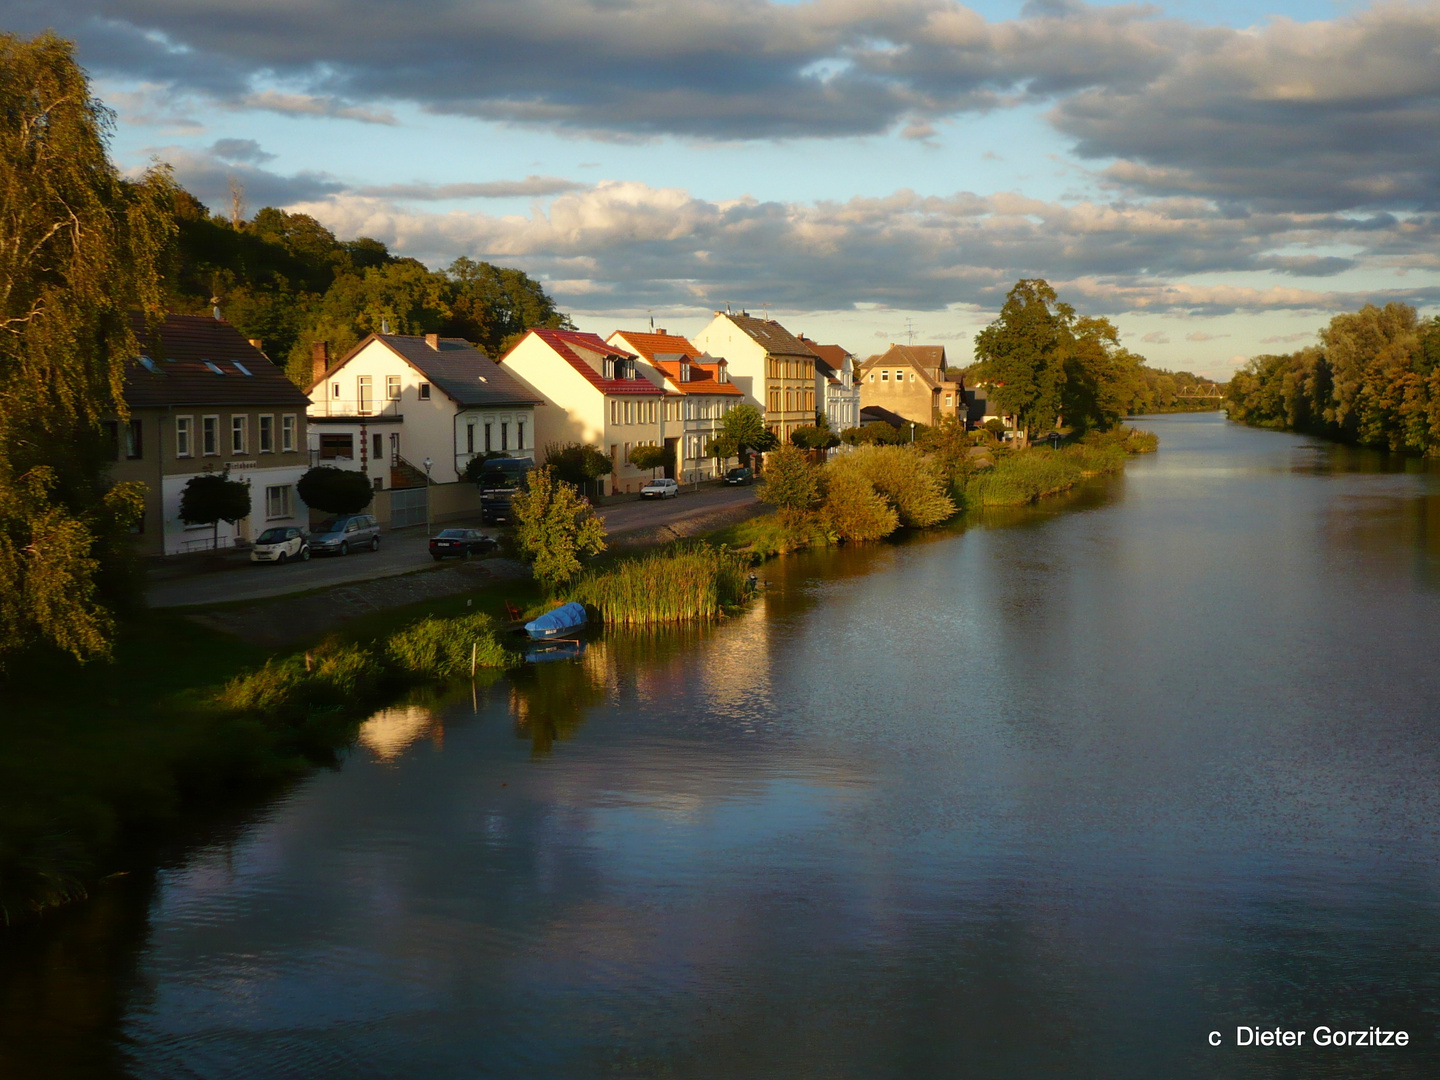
(352, 410)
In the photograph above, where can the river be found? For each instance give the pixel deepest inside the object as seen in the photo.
(1057, 793)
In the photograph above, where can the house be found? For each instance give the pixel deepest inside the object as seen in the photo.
(203, 399)
(912, 383)
(700, 393)
(595, 394)
(396, 400)
(773, 368)
(980, 409)
(837, 396)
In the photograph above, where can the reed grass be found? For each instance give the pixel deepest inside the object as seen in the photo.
(1030, 475)
(443, 648)
(689, 584)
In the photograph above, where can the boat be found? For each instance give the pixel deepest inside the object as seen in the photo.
(557, 621)
(545, 652)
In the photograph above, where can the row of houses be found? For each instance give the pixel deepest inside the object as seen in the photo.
(411, 412)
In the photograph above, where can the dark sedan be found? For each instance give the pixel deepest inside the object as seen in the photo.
(461, 543)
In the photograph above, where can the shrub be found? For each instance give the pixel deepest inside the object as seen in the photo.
(577, 463)
(684, 585)
(335, 491)
(440, 648)
(854, 510)
(554, 526)
(275, 687)
(791, 484)
(650, 457)
(912, 483)
(814, 436)
(1128, 439)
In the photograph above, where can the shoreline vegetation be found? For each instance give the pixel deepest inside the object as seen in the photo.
(187, 721)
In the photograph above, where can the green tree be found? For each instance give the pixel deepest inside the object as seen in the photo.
(335, 491)
(791, 484)
(82, 249)
(493, 306)
(554, 526)
(1021, 356)
(577, 463)
(650, 457)
(744, 428)
(817, 436)
(211, 498)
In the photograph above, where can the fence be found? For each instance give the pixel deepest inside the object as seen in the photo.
(408, 506)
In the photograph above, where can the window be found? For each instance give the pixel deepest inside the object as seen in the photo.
(239, 434)
(267, 435)
(424, 391)
(614, 455)
(277, 502)
(392, 387)
(872, 376)
(627, 453)
(629, 417)
(287, 433)
(336, 446)
(488, 447)
(112, 439)
(519, 434)
(469, 438)
(504, 437)
(884, 376)
(335, 390)
(134, 441)
(213, 367)
(379, 447)
(362, 393)
(210, 435)
(614, 411)
(182, 436)
(242, 368)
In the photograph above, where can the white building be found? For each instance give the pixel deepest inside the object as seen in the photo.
(837, 394)
(774, 368)
(396, 400)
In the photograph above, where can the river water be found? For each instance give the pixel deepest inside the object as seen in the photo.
(1058, 793)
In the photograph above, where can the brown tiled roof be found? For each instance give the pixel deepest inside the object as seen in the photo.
(461, 371)
(652, 344)
(182, 376)
(925, 359)
(703, 379)
(562, 340)
(831, 357)
(770, 335)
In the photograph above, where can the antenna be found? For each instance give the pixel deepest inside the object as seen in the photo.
(909, 331)
(765, 310)
(384, 326)
(651, 313)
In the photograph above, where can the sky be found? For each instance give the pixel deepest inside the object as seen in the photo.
(1218, 179)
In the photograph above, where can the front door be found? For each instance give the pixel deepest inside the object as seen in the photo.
(395, 448)
(672, 463)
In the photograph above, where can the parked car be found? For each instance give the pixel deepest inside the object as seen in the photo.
(660, 489)
(740, 475)
(461, 543)
(342, 535)
(280, 544)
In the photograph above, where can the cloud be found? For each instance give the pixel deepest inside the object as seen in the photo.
(492, 189)
(1287, 339)
(1201, 335)
(247, 150)
(633, 245)
(1156, 337)
(1328, 114)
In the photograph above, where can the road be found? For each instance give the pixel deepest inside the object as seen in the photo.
(402, 552)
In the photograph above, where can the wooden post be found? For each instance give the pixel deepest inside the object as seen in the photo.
(473, 646)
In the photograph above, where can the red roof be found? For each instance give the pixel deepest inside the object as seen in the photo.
(564, 343)
(652, 344)
(703, 379)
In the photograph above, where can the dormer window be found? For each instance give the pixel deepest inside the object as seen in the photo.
(722, 372)
(213, 367)
(242, 368)
(609, 367)
(684, 371)
(149, 365)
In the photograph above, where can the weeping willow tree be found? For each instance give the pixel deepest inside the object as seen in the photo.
(80, 250)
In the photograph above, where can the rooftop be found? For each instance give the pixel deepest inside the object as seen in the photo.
(199, 360)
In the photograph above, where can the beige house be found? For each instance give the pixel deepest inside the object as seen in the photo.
(397, 400)
(203, 399)
(700, 393)
(837, 395)
(911, 383)
(774, 368)
(595, 394)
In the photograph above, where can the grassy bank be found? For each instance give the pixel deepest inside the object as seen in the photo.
(689, 583)
(97, 763)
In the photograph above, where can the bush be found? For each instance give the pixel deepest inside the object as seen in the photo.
(854, 510)
(814, 436)
(650, 457)
(878, 432)
(577, 463)
(440, 648)
(335, 491)
(1128, 439)
(554, 526)
(911, 482)
(1032, 474)
(791, 484)
(685, 585)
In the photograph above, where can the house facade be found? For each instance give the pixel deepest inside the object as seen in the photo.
(699, 394)
(773, 368)
(912, 383)
(837, 395)
(396, 400)
(595, 394)
(203, 399)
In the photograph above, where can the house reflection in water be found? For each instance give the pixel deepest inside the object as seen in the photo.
(390, 732)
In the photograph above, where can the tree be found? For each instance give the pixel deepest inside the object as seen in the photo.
(791, 484)
(1020, 355)
(817, 436)
(744, 428)
(211, 498)
(578, 463)
(554, 526)
(335, 491)
(82, 249)
(650, 457)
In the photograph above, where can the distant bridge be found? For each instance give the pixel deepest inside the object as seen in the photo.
(1201, 390)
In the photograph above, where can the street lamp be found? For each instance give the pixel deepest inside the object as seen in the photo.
(912, 431)
(428, 464)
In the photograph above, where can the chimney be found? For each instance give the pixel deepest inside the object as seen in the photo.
(433, 340)
(319, 359)
(257, 344)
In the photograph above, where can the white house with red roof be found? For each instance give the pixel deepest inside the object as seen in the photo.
(595, 394)
(699, 394)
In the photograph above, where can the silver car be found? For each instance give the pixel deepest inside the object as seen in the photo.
(279, 545)
(342, 535)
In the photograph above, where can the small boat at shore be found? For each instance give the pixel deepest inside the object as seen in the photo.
(560, 620)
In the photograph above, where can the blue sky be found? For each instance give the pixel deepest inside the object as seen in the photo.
(1216, 179)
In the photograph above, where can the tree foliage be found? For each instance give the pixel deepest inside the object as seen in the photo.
(335, 491)
(554, 526)
(81, 250)
(650, 457)
(816, 436)
(910, 481)
(578, 463)
(211, 498)
(791, 484)
(744, 428)
(1374, 379)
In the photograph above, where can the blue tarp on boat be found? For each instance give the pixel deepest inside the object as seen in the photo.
(564, 618)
